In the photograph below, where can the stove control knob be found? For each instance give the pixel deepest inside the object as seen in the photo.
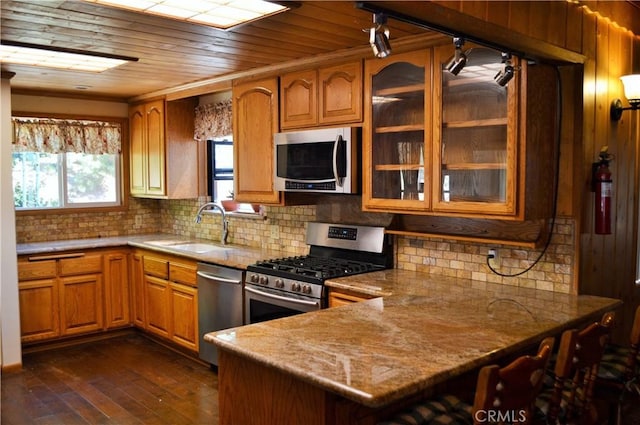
(264, 280)
(254, 278)
(295, 287)
(306, 289)
(279, 283)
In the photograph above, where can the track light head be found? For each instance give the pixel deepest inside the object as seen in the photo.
(379, 36)
(507, 73)
(459, 59)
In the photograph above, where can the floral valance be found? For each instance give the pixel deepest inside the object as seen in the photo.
(213, 120)
(59, 135)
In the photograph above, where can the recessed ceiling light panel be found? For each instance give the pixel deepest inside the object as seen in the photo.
(222, 14)
(44, 56)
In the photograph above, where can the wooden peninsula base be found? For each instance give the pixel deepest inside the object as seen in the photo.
(254, 394)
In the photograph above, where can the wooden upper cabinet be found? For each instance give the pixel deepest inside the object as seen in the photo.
(397, 133)
(299, 94)
(137, 150)
(155, 151)
(324, 96)
(475, 166)
(165, 158)
(255, 121)
(340, 94)
(458, 145)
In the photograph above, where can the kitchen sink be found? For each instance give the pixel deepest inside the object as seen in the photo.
(182, 245)
(198, 248)
(167, 242)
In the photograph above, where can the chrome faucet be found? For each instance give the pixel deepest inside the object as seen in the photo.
(225, 222)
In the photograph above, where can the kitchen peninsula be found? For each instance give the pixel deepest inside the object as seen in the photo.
(348, 364)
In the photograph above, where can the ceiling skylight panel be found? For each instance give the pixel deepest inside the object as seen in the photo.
(43, 57)
(222, 14)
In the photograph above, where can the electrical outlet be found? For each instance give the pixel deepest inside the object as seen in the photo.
(138, 221)
(492, 253)
(275, 232)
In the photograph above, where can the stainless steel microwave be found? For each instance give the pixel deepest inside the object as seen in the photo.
(319, 160)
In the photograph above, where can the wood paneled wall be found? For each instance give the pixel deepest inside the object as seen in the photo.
(602, 38)
(608, 262)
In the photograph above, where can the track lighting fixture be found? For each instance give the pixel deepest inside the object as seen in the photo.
(459, 59)
(507, 72)
(379, 36)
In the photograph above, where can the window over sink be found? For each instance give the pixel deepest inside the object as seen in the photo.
(220, 175)
(66, 163)
(213, 125)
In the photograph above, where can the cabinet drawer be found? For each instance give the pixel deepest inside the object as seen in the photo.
(156, 267)
(28, 270)
(81, 265)
(183, 273)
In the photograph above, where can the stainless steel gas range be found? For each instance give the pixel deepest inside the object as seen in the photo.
(283, 287)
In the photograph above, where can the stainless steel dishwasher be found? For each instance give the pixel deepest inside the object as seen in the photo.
(219, 304)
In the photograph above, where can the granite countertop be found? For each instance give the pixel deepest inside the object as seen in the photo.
(425, 330)
(225, 255)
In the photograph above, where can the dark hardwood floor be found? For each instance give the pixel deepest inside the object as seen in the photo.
(122, 380)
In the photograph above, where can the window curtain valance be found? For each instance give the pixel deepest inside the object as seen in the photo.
(58, 135)
(213, 120)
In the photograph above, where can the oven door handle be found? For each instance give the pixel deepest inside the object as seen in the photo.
(278, 297)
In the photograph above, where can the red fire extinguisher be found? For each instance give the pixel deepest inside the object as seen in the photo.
(604, 191)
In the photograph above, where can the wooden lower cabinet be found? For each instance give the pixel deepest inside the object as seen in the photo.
(170, 297)
(75, 293)
(157, 305)
(117, 300)
(184, 308)
(72, 293)
(42, 321)
(81, 304)
(136, 278)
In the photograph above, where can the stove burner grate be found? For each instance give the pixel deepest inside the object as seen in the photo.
(316, 267)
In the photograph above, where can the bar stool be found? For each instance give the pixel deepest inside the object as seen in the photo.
(618, 373)
(568, 396)
(506, 393)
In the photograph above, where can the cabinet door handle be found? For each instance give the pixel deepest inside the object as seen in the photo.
(56, 256)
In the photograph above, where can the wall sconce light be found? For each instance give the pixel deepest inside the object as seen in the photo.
(459, 60)
(507, 72)
(379, 36)
(631, 85)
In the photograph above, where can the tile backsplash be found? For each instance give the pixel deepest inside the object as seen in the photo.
(284, 229)
(143, 216)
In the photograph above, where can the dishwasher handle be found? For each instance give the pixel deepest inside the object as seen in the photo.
(217, 278)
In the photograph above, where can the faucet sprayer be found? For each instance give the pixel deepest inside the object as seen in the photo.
(225, 222)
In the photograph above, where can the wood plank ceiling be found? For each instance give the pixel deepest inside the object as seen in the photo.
(173, 53)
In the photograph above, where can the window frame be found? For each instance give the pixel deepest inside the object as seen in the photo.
(212, 172)
(123, 160)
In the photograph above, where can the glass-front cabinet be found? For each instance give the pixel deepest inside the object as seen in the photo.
(475, 135)
(439, 143)
(397, 132)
